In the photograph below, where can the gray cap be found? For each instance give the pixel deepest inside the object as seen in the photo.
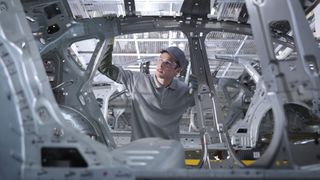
(177, 54)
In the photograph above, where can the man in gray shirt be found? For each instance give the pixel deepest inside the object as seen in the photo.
(158, 100)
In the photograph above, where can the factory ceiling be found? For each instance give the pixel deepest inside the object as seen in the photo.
(131, 50)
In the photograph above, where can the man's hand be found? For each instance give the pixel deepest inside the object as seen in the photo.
(193, 83)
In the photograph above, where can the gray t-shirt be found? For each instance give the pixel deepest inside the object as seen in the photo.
(156, 109)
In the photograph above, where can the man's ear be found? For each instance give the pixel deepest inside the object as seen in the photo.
(178, 70)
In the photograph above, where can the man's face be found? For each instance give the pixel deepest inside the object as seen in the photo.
(166, 68)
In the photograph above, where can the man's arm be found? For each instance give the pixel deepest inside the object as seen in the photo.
(106, 67)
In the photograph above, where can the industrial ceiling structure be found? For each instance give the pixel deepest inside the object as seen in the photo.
(133, 49)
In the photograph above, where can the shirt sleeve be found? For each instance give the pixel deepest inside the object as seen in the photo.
(127, 78)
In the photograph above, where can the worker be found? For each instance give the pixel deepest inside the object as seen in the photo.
(158, 100)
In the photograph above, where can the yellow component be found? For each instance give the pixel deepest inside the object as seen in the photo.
(191, 162)
(194, 162)
(248, 162)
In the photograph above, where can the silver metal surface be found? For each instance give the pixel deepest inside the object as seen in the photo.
(248, 103)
